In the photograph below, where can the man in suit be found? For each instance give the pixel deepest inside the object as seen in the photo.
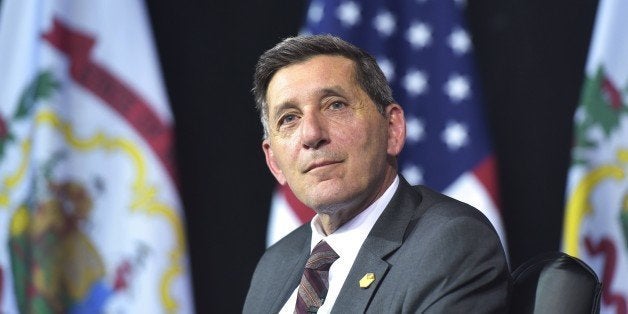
(332, 132)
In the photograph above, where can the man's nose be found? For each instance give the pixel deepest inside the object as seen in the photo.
(313, 131)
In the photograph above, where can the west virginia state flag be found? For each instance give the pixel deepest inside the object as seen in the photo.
(596, 217)
(90, 219)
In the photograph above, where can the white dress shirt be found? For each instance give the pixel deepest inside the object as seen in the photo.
(346, 242)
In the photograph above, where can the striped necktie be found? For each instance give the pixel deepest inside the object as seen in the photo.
(315, 279)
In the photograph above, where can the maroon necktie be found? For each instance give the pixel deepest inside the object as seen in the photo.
(315, 279)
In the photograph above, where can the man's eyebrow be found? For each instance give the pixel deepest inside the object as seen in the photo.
(335, 90)
(284, 106)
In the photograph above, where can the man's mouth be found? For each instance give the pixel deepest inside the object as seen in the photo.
(320, 164)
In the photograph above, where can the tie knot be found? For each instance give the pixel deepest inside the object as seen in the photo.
(322, 257)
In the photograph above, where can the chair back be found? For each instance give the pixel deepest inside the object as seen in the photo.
(555, 283)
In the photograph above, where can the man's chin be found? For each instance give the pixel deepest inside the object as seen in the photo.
(328, 204)
(324, 194)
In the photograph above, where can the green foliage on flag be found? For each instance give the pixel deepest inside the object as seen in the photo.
(41, 87)
(602, 108)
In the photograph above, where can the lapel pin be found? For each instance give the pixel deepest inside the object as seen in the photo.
(367, 280)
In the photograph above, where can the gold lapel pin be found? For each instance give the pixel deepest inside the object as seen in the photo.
(367, 280)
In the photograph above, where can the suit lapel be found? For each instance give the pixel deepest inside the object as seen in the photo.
(290, 274)
(385, 237)
(352, 298)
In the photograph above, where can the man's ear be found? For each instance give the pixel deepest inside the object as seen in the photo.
(272, 163)
(396, 129)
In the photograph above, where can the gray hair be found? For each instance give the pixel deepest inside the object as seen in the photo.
(301, 48)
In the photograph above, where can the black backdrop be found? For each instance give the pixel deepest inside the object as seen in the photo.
(531, 56)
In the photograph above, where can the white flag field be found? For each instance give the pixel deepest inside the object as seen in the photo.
(596, 216)
(90, 217)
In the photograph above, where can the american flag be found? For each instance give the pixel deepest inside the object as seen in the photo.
(424, 49)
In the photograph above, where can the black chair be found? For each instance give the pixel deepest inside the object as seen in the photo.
(555, 283)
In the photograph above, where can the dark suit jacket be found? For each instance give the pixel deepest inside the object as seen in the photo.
(429, 253)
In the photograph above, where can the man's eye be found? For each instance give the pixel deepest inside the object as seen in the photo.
(337, 105)
(287, 119)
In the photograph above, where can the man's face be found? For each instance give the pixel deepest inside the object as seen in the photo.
(326, 139)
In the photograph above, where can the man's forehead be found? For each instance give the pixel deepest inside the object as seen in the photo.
(322, 74)
(318, 61)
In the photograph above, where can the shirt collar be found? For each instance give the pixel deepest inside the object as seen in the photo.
(345, 238)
